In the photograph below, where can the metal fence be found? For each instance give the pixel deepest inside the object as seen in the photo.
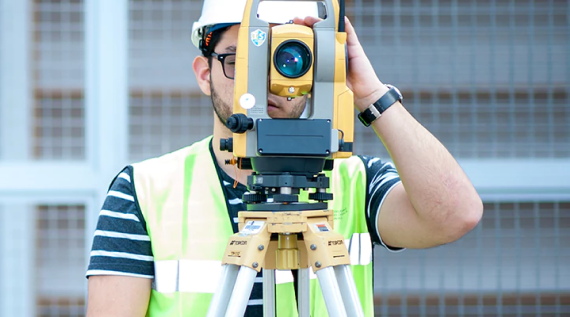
(60, 244)
(58, 51)
(58, 122)
(489, 78)
(516, 262)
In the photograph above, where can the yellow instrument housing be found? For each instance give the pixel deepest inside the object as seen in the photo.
(279, 84)
(338, 106)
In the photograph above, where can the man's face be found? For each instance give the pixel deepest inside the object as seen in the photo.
(222, 88)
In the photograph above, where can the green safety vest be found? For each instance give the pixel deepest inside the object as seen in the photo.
(187, 220)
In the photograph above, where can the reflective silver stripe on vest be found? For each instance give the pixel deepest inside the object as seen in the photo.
(360, 248)
(202, 276)
(195, 276)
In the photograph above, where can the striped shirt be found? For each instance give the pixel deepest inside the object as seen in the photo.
(121, 245)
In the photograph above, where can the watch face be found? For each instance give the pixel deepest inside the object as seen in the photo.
(363, 120)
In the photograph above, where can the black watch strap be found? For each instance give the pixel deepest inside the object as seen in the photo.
(375, 110)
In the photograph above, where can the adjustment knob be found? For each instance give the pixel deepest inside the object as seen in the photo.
(321, 196)
(239, 123)
(227, 144)
(250, 198)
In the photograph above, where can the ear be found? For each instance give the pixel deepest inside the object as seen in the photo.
(202, 71)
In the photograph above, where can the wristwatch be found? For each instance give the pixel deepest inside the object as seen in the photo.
(375, 110)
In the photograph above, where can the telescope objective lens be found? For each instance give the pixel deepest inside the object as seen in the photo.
(292, 59)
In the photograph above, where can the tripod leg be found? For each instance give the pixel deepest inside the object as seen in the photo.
(331, 292)
(304, 293)
(241, 292)
(348, 291)
(223, 292)
(268, 293)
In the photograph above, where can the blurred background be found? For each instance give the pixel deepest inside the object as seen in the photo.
(88, 86)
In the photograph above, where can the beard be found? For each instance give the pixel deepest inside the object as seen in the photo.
(298, 107)
(224, 110)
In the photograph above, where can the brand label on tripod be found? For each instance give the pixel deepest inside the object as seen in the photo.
(252, 227)
(322, 226)
(335, 242)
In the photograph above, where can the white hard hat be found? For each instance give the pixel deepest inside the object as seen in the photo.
(228, 12)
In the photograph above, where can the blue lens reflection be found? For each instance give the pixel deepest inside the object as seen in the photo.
(292, 59)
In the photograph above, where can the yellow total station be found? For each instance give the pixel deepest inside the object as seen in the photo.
(294, 61)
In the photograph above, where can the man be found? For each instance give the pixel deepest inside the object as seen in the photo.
(165, 222)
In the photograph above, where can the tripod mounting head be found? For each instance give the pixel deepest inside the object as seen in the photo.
(289, 155)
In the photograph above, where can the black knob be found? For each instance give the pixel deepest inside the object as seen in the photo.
(321, 196)
(239, 123)
(254, 198)
(227, 144)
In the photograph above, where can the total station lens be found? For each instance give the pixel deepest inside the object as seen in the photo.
(292, 59)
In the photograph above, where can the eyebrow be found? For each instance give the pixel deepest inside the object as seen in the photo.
(231, 49)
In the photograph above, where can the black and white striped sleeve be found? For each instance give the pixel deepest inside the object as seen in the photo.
(381, 178)
(121, 245)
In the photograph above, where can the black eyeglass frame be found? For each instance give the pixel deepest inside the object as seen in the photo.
(222, 58)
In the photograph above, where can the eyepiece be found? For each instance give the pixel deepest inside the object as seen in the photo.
(292, 59)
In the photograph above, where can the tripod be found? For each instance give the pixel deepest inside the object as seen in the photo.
(286, 235)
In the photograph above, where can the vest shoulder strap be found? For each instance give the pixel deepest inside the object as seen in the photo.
(159, 174)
